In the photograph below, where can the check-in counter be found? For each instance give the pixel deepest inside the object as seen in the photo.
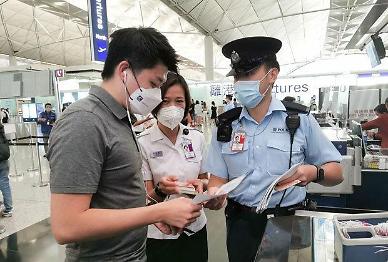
(307, 236)
(351, 163)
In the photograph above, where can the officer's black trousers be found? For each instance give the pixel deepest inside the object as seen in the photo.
(184, 249)
(244, 233)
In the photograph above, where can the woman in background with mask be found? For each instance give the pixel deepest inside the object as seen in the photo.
(172, 165)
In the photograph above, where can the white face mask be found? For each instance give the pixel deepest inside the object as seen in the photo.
(143, 100)
(171, 116)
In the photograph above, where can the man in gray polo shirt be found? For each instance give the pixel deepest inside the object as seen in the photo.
(97, 191)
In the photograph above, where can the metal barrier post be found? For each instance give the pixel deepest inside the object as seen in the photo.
(13, 161)
(29, 131)
(41, 182)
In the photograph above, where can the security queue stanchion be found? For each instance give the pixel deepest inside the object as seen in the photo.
(33, 168)
(41, 183)
(13, 161)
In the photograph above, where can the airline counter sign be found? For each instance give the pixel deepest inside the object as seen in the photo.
(98, 28)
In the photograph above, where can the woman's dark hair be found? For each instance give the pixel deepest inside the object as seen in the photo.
(213, 103)
(143, 48)
(174, 79)
(381, 109)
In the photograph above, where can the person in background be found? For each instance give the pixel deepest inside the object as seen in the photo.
(229, 103)
(313, 104)
(191, 110)
(386, 103)
(381, 122)
(172, 156)
(213, 115)
(204, 113)
(46, 120)
(4, 115)
(198, 113)
(4, 172)
(235, 103)
(98, 197)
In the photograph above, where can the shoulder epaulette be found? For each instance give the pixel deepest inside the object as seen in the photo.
(293, 107)
(193, 129)
(143, 134)
(229, 116)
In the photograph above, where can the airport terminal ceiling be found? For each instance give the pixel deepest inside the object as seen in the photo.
(316, 34)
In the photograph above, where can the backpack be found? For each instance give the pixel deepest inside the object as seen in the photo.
(4, 146)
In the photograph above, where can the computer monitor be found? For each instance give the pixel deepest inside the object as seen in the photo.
(357, 131)
(29, 112)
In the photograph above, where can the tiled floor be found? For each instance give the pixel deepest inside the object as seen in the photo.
(32, 207)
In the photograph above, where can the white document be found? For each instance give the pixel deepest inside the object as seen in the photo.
(224, 189)
(273, 186)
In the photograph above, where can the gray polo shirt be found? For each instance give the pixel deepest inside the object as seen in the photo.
(93, 151)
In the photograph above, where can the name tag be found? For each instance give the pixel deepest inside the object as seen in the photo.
(156, 154)
(188, 149)
(238, 141)
(279, 130)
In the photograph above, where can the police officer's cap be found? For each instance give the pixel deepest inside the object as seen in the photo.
(248, 53)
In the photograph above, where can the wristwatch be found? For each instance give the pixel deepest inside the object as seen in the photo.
(320, 174)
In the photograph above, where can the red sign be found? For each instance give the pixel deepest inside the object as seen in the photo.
(59, 73)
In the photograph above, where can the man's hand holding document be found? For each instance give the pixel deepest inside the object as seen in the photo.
(220, 192)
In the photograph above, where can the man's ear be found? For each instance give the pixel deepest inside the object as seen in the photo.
(273, 75)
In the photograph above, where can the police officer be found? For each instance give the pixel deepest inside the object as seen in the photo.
(263, 145)
(47, 119)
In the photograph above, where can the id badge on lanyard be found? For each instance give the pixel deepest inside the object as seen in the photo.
(238, 140)
(188, 149)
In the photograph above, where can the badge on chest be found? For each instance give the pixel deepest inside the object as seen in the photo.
(238, 141)
(188, 149)
(156, 154)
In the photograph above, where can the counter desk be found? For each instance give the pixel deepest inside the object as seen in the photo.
(307, 236)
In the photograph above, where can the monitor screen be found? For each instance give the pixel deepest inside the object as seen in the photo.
(356, 129)
(30, 113)
(372, 54)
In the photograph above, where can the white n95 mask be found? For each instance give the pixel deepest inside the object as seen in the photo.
(170, 116)
(144, 100)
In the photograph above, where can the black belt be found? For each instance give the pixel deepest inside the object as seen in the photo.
(277, 211)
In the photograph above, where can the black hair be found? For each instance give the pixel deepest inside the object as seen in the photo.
(47, 104)
(268, 62)
(197, 102)
(142, 47)
(381, 109)
(213, 103)
(174, 79)
(229, 97)
(386, 101)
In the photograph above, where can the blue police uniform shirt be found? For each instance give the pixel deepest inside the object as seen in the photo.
(228, 106)
(44, 126)
(265, 154)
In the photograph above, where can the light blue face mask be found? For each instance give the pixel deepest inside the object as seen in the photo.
(248, 92)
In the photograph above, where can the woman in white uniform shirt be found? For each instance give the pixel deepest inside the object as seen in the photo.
(172, 156)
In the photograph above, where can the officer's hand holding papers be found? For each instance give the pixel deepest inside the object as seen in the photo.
(279, 184)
